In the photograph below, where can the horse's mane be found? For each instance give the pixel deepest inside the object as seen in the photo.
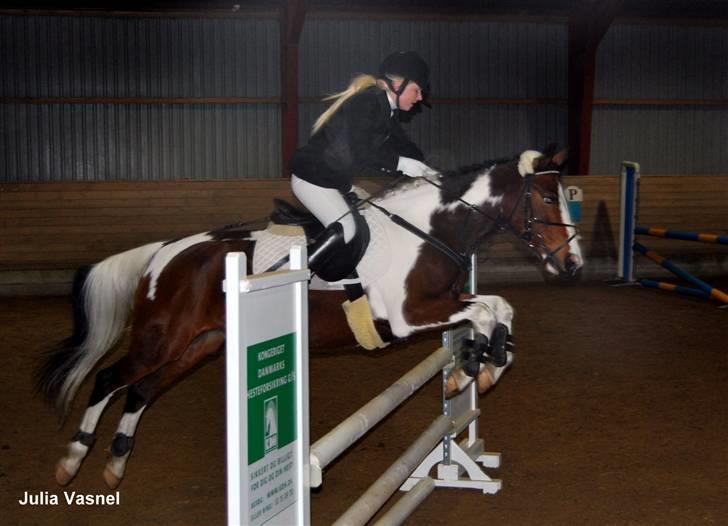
(454, 183)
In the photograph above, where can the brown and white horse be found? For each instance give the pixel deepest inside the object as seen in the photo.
(172, 290)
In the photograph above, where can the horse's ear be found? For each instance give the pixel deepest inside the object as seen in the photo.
(559, 159)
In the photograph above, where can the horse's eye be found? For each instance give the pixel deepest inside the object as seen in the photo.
(550, 199)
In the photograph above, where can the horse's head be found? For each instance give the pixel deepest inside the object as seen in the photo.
(536, 211)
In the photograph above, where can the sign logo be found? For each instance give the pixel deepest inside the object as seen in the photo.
(270, 424)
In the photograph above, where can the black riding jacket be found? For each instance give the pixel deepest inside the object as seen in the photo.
(360, 139)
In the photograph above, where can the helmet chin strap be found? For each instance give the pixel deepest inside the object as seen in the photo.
(397, 92)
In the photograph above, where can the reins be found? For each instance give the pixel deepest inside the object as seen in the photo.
(462, 260)
(500, 223)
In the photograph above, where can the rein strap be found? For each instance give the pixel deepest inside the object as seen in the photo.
(461, 261)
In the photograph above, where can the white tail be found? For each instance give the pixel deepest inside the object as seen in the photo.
(107, 296)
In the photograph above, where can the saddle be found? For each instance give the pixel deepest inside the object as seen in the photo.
(341, 261)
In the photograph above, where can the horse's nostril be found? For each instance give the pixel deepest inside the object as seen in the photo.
(572, 265)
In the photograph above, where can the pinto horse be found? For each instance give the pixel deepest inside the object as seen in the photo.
(172, 290)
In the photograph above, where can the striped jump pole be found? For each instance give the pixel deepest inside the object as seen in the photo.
(671, 287)
(685, 236)
(629, 215)
(709, 290)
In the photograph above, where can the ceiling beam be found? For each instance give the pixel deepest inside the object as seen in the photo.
(587, 26)
(291, 27)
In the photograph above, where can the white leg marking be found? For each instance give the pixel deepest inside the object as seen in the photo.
(127, 426)
(76, 450)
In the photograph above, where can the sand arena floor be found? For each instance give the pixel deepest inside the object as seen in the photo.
(615, 413)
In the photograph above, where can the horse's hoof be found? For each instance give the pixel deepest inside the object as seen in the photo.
(63, 477)
(452, 387)
(485, 380)
(498, 344)
(112, 481)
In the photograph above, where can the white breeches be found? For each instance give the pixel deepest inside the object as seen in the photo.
(327, 204)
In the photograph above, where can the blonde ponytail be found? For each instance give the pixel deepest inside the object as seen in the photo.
(358, 83)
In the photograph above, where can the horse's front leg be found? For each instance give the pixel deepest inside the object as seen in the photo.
(484, 312)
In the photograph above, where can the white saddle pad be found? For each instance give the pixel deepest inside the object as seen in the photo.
(271, 246)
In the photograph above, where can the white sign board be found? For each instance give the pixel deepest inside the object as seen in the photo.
(267, 393)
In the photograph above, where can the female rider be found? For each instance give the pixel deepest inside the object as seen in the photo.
(358, 135)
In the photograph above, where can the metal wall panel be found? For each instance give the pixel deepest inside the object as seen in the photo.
(662, 62)
(457, 134)
(664, 140)
(467, 59)
(670, 62)
(101, 142)
(57, 56)
(139, 57)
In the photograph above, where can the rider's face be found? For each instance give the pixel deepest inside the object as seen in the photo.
(411, 95)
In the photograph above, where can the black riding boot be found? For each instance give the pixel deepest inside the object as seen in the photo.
(328, 256)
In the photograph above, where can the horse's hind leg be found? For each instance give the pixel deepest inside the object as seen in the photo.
(107, 383)
(137, 399)
(143, 393)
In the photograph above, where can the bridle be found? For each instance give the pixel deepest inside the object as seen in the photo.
(534, 240)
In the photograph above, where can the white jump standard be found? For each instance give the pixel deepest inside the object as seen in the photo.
(286, 499)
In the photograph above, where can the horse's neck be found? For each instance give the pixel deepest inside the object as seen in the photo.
(415, 203)
(453, 223)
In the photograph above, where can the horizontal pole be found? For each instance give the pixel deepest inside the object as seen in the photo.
(403, 508)
(151, 12)
(140, 100)
(475, 101)
(378, 493)
(270, 280)
(671, 287)
(661, 102)
(339, 439)
(669, 265)
(678, 234)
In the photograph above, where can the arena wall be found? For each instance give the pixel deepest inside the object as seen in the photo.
(49, 229)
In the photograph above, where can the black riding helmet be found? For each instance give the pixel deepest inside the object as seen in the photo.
(408, 65)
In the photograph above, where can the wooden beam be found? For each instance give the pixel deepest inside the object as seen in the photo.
(291, 26)
(587, 26)
(140, 100)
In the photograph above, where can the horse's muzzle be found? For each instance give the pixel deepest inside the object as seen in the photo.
(572, 267)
